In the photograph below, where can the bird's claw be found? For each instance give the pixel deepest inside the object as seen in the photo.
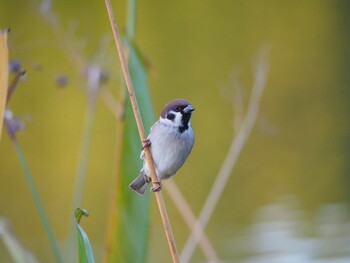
(146, 143)
(156, 188)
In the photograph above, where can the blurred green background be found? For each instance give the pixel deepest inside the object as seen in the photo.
(294, 168)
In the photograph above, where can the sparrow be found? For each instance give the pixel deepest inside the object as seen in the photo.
(170, 140)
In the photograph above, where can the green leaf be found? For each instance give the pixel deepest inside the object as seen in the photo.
(130, 230)
(84, 246)
(16, 250)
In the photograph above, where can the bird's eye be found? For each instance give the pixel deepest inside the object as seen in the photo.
(177, 108)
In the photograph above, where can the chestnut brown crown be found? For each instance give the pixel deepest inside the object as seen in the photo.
(175, 105)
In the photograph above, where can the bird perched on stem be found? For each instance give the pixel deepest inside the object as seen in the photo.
(170, 140)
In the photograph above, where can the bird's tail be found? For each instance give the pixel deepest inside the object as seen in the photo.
(140, 184)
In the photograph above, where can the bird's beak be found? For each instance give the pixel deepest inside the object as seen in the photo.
(189, 108)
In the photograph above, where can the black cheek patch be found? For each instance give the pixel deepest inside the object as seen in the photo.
(170, 116)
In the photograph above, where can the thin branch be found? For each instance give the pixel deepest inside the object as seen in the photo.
(159, 196)
(231, 158)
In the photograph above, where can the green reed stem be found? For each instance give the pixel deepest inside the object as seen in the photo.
(39, 205)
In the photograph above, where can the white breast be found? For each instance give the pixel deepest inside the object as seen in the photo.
(169, 148)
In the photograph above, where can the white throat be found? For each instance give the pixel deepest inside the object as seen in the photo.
(176, 122)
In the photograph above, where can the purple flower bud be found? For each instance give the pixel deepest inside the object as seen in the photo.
(15, 66)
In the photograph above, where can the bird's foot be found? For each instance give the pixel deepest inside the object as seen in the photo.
(146, 143)
(156, 188)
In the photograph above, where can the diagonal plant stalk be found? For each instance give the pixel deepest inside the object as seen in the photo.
(38, 203)
(231, 158)
(158, 195)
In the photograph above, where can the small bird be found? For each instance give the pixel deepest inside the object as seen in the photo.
(170, 140)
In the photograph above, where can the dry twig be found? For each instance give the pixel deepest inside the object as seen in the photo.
(159, 196)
